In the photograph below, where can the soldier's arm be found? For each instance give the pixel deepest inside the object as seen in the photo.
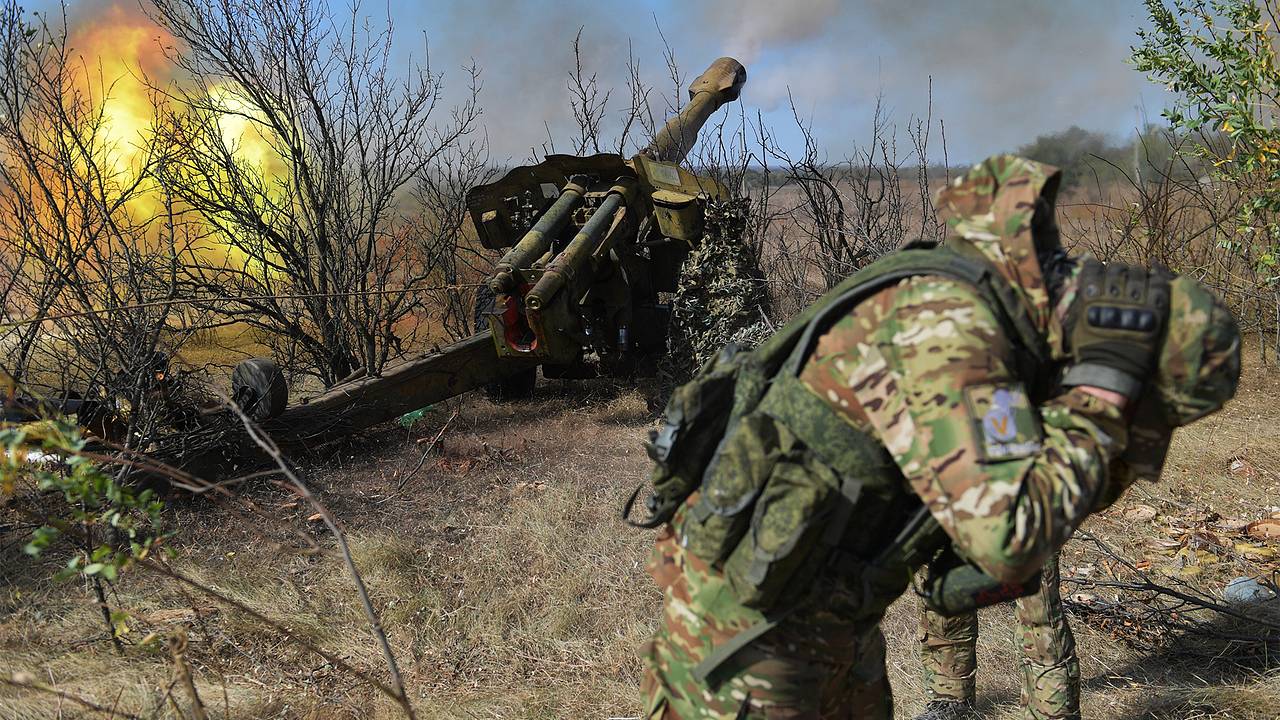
(934, 376)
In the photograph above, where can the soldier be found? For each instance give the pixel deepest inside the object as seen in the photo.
(931, 380)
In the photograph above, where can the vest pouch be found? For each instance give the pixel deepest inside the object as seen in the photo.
(786, 546)
(693, 425)
(718, 519)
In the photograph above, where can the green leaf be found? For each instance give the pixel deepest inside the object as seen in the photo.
(93, 501)
(119, 622)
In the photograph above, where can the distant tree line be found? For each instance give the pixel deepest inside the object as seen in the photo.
(1088, 157)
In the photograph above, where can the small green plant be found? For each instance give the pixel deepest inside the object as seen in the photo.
(105, 525)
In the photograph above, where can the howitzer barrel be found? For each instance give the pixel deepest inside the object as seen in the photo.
(565, 266)
(536, 242)
(721, 83)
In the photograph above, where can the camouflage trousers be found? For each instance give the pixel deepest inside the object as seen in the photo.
(762, 681)
(1050, 671)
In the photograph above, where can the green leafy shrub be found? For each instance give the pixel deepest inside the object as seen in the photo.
(1218, 58)
(104, 525)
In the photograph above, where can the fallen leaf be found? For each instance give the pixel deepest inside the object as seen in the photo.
(315, 518)
(1231, 525)
(1140, 513)
(1264, 529)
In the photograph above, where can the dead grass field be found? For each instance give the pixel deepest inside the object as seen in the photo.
(510, 589)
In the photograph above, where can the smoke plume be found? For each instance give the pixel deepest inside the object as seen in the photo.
(1003, 71)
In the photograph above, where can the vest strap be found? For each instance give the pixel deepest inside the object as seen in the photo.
(722, 652)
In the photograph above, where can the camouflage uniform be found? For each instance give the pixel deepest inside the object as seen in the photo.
(1050, 671)
(925, 368)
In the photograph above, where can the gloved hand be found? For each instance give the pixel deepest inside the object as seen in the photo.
(954, 586)
(1116, 326)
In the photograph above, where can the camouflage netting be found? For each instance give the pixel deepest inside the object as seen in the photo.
(722, 296)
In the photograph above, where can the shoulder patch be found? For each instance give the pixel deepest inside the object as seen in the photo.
(1006, 426)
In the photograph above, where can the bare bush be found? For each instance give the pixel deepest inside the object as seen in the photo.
(94, 251)
(89, 314)
(852, 211)
(1173, 214)
(322, 251)
(441, 226)
(587, 101)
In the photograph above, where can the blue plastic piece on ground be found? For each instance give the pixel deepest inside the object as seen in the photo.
(1247, 590)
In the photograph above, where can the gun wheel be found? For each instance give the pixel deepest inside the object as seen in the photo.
(258, 389)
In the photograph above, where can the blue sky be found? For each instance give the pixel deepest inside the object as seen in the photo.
(1003, 71)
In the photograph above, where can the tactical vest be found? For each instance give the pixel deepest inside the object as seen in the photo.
(762, 478)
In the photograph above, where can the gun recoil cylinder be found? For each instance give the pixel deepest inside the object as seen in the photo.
(571, 260)
(538, 240)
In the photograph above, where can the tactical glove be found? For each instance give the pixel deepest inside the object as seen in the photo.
(953, 586)
(1116, 326)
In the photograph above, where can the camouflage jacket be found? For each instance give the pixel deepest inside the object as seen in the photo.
(925, 367)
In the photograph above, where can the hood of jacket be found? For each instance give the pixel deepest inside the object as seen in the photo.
(991, 211)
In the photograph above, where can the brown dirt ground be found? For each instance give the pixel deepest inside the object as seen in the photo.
(510, 589)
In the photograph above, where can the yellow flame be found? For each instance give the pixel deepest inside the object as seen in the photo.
(117, 52)
(119, 55)
(240, 132)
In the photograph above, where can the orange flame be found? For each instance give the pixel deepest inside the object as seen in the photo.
(119, 51)
(122, 56)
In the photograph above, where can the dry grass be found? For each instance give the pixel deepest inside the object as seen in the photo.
(510, 589)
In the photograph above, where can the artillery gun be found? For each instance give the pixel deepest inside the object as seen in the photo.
(590, 243)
